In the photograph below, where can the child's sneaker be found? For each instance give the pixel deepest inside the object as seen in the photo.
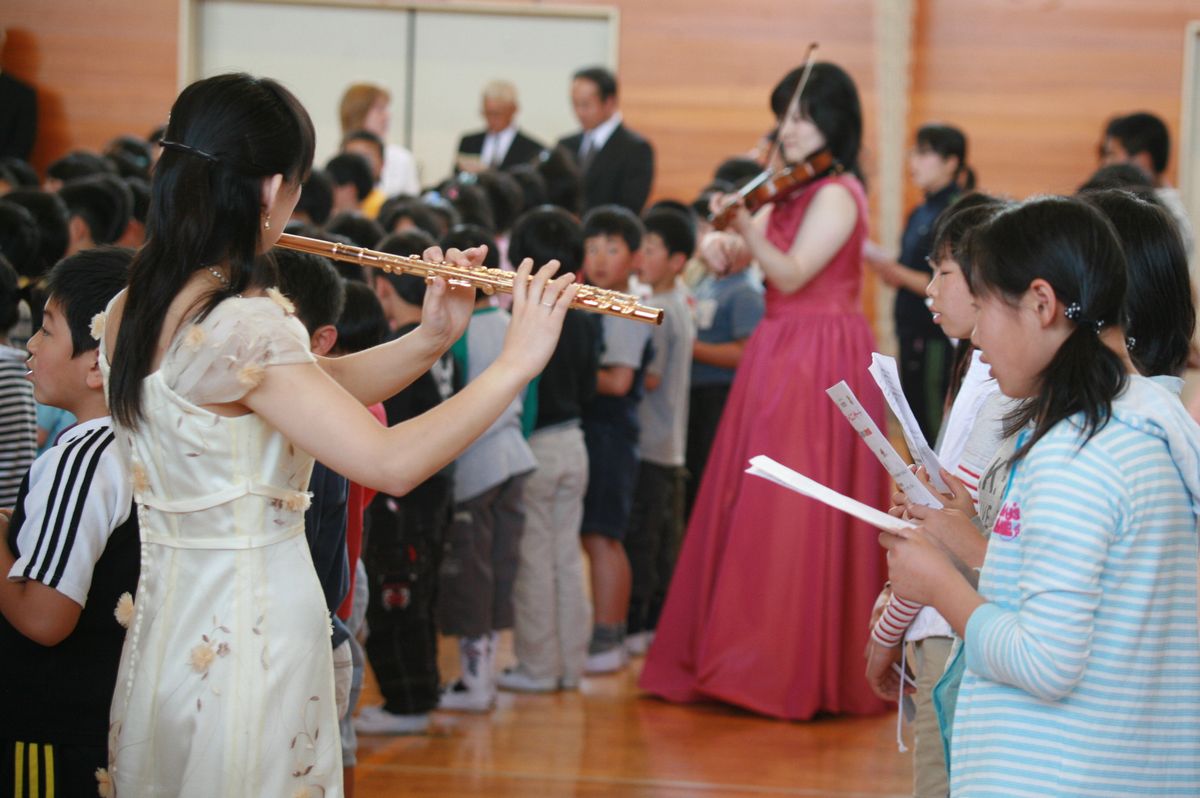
(377, 720)
(638, 643)
(475, 690)
(459, 697)
(518, 681)
(610, 660)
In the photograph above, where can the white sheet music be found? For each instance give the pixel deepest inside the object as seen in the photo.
(887, 377)
(766, 468)
(881, 447)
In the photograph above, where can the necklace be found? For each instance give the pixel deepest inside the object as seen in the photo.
(217, 273)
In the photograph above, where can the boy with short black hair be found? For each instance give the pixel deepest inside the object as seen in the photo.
(479, 563)
(612, 237)
(100, 208)
(371, 147)
(656, 521)
(552, 620)
(403, 551)
(352, 180)
(1142, 139)
(70, 556)
(316, 200)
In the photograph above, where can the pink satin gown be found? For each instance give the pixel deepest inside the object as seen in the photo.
(769, 604)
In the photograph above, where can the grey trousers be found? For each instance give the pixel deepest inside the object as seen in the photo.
(479, 564)
(553, 616)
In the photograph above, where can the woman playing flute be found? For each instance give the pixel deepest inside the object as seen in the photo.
(226, 685)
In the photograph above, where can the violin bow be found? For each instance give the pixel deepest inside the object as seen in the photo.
(809, 63)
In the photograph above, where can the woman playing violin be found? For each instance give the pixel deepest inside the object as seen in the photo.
(765, 606)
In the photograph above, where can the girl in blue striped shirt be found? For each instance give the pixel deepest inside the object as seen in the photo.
(1081, 644)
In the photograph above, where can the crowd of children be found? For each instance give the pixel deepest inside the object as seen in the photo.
(1055, 590)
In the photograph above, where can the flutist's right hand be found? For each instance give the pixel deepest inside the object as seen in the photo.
(538, 309)
(447, 308)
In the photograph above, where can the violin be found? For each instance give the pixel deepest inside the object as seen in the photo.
(777, 186)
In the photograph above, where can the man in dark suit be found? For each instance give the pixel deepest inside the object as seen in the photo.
(501, 145)
(617, 163)
(18, 113)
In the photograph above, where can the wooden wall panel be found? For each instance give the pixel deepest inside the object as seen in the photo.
(101, 69)
(1033, 82)
(695, 75)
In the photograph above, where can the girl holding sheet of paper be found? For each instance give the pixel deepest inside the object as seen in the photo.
(1159, 321)
(968, 440)
(765, 604)
(1081, 638)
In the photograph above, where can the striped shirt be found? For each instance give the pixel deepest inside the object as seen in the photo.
(18, 423)
(79, 492)
(1083, 670)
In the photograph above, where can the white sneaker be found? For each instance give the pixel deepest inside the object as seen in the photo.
(458, 697)
(610, 660)
(638, 643)
(377, 720)
(518, 681)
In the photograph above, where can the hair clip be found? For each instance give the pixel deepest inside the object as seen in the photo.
(1130, 343)
(1075, 313)
(187, 150)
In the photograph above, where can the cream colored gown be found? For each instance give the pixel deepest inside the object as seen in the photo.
(226, 682)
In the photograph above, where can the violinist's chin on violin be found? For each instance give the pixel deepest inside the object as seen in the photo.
(775, 186)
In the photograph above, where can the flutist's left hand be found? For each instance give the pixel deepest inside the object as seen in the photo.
(539, 307)
(447, 309)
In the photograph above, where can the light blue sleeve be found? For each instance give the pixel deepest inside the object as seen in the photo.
(1070, 503)
(54, 420)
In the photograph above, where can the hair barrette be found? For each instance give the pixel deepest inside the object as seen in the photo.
(188, 150)
(1075, 313)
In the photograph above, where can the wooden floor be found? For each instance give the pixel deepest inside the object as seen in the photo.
(607, 740)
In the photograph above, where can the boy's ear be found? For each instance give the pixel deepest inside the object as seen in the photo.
(94, 379)
(323, 339)
(78, 231)
(677, 261)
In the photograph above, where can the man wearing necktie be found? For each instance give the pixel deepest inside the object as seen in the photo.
(617, 163)
(501, 145)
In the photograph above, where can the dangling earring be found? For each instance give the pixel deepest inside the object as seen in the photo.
(267, 222)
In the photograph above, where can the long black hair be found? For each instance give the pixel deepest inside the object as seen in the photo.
(226, 134)
(1073, 247)
(1160, 314)
(830, 100)
(948, 142)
